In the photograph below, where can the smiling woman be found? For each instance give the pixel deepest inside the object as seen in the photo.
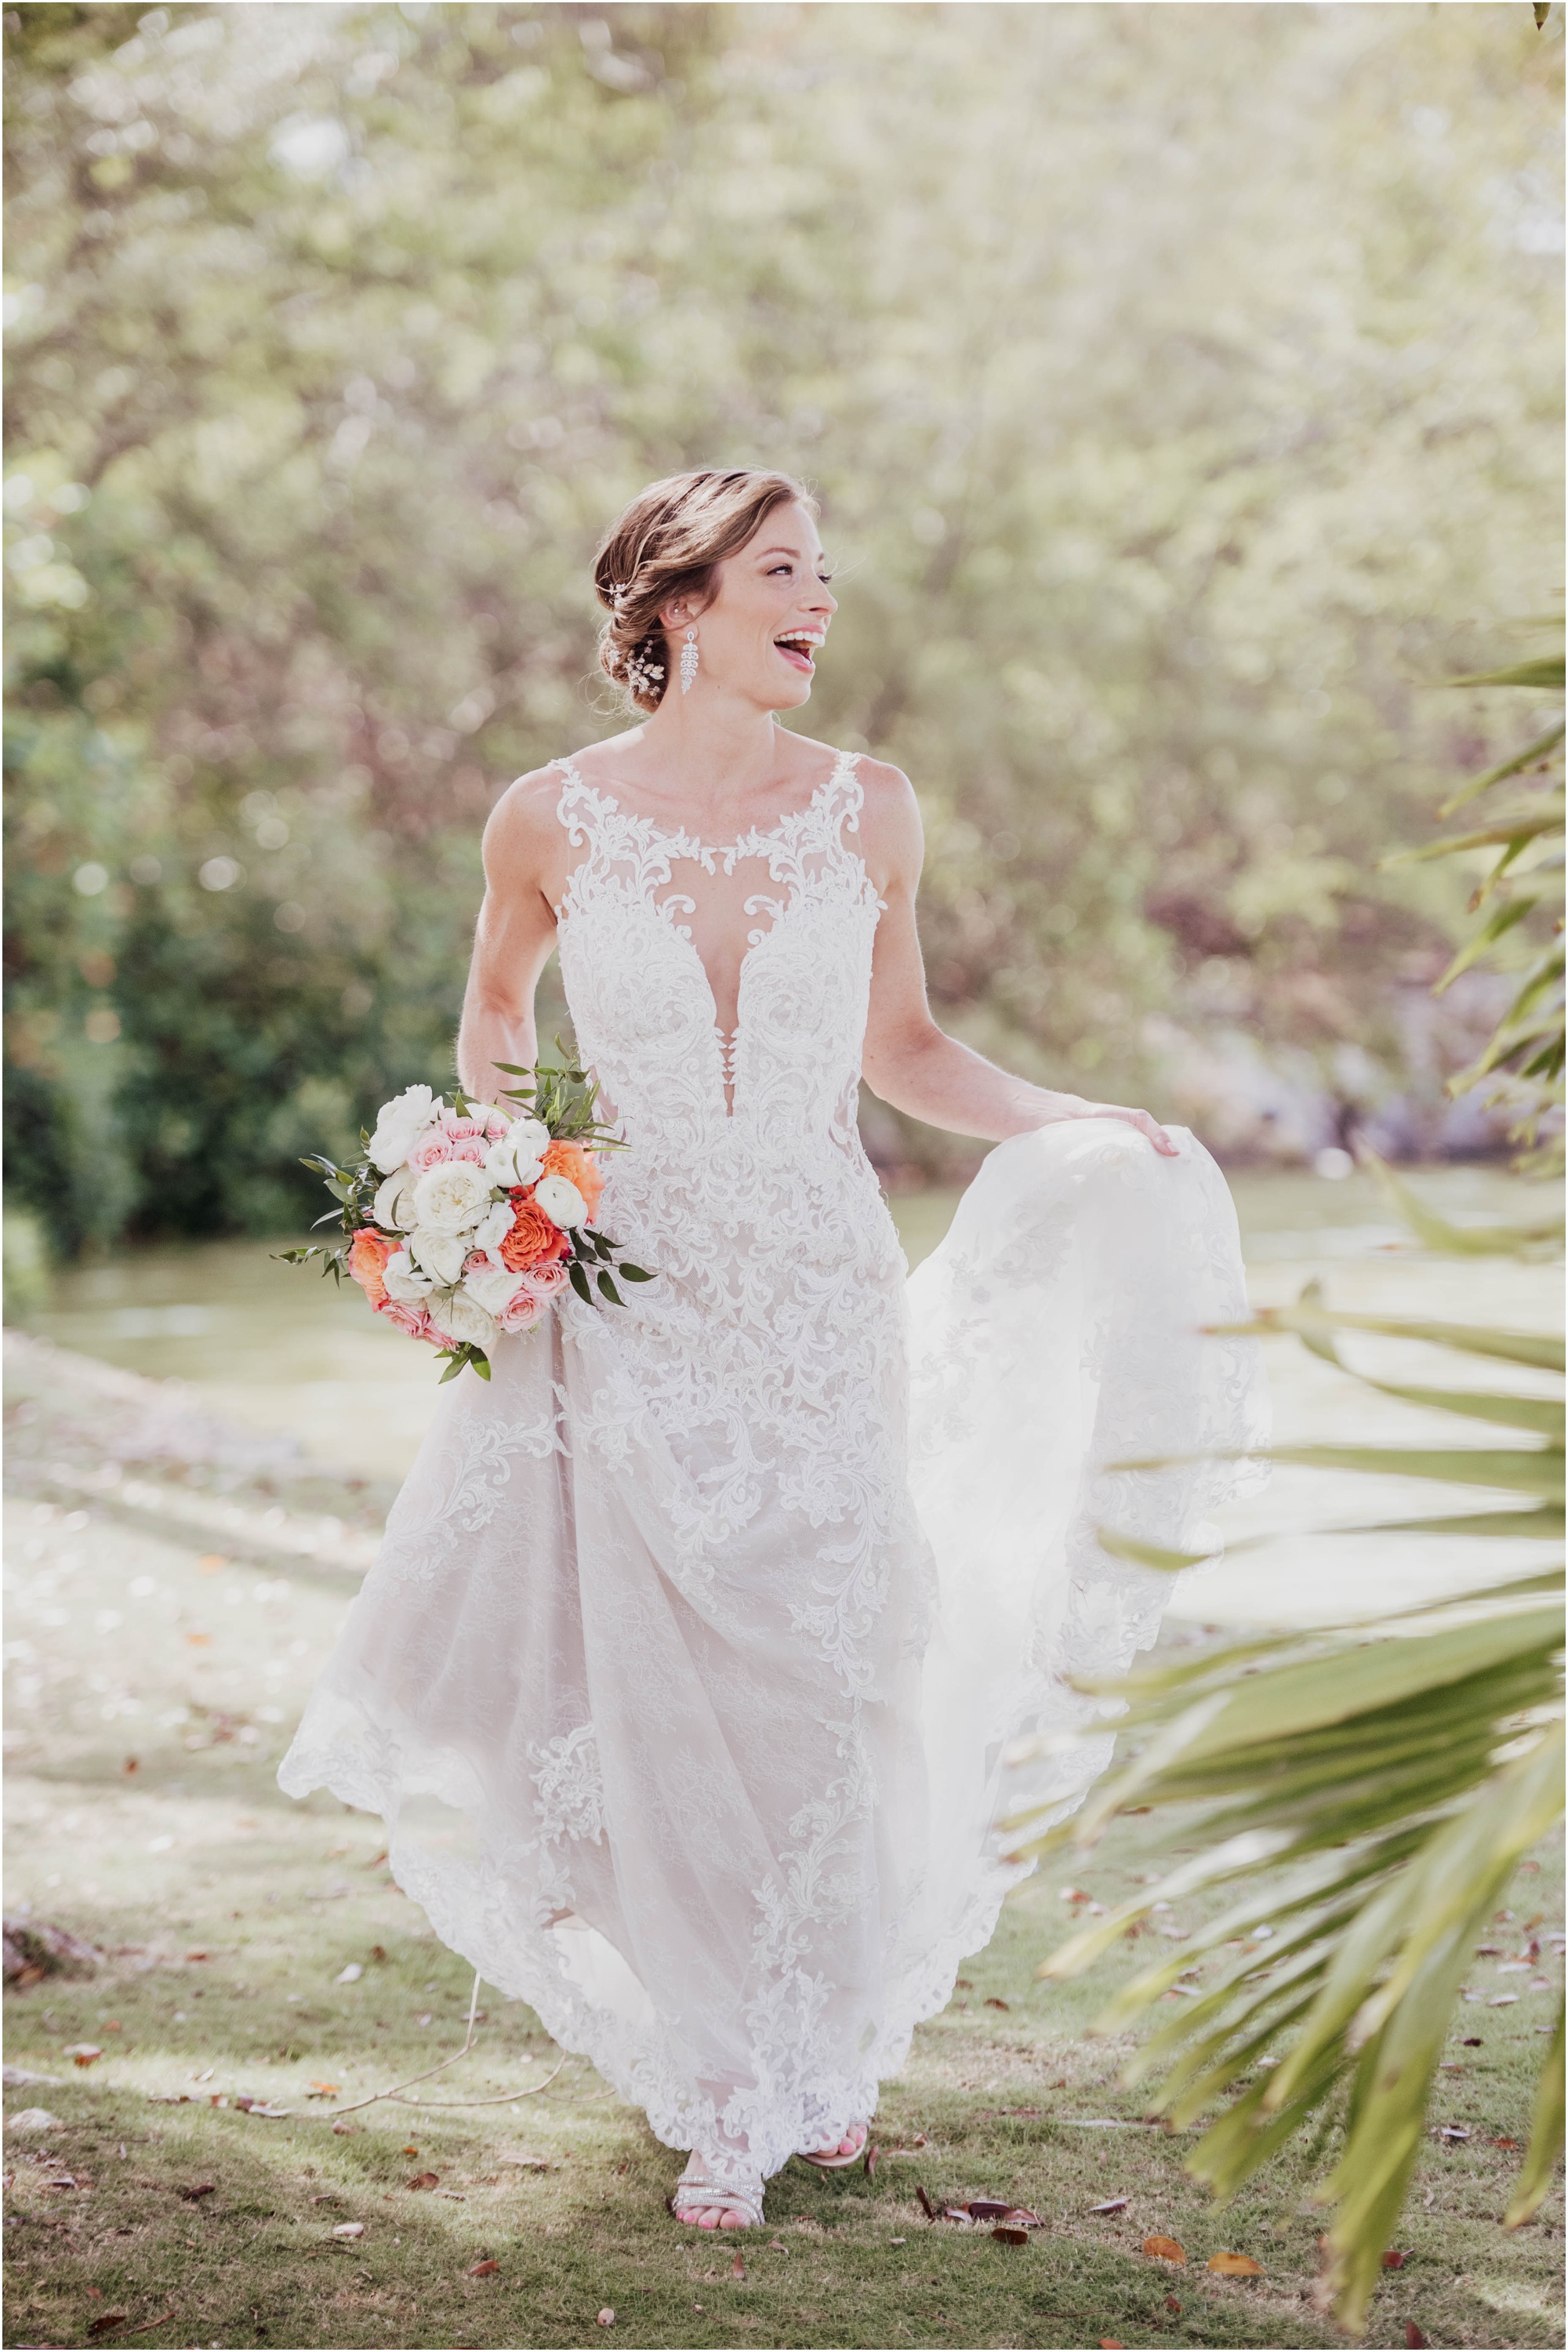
(658, 574)
(717, 1615)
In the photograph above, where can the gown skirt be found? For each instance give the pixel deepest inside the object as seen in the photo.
(686, 1679)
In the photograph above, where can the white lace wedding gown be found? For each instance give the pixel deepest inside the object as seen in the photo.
(684, 1676)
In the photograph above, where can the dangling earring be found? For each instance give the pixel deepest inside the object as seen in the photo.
(689, 661)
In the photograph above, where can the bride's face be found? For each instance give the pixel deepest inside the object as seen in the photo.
(768, 620)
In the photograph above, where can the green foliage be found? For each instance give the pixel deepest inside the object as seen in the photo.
(1371, 1789)
(1523, 882)
(1171, 428)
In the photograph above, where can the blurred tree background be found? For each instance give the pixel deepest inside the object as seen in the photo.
(1181, 384)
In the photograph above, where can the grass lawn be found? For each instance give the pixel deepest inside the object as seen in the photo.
(174, 1590)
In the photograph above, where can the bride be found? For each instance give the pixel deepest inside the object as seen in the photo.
(686, 1677)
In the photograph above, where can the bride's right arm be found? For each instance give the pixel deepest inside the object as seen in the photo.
(525, 856)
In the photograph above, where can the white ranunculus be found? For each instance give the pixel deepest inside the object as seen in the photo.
(403, 1277)
(440, 1255)
(393, 1208)
(493, 1291)
(459, 1316)
(398, 1124)
(493, 1229)
(561, 1201)
(517, 1158)
(451, 1197)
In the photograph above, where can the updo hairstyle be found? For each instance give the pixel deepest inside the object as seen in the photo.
(667, 545)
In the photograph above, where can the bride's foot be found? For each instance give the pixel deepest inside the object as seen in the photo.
(704, 2203)
(840, 2153)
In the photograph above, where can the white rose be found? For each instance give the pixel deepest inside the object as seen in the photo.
(458, 1316)
(403, 1277)
(493, 1229)
(561, 1201)
(393, 1208)
(398, 1125)
(451, 1197)
(440, 1255)
(517, 1158)
(493, 1291)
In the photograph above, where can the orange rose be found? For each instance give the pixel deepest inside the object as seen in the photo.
(368, 1254)
(579, 1167)
(533, 1239)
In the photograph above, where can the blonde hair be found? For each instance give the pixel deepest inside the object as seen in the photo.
(667, 545)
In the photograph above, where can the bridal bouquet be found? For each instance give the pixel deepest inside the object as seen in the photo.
(464, 1221)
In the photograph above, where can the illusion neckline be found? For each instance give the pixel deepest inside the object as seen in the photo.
(844, 764)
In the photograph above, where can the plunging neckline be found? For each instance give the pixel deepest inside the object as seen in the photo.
(677, 845)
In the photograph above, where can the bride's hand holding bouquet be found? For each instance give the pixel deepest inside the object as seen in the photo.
(463, 1221)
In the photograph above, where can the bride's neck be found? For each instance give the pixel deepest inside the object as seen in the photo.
(709, 744)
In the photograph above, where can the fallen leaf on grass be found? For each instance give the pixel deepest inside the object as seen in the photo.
(347, 2230)
(991, 2001)
(1010, 2234)
(324, 2090)
(1505, 2143)
(259, 2107)
(927, 2208)
(483, 2270)
(84, 2053)
(106, 2320)
(525, 2163)
(1395, 2260)
(1413, 2335)
(985, 2209)
(352, 1974)
(1170, 2304)
(872, 2153)
(1454, 2131)
(1503, 2001)
(345, 2131)
(738, 2268)
(1111, 2344)
(1471, 2042)
(424, 2180)
(607, 2318)
(1165, 2249)
(202, 2189)
(1111, 2205)
(1236, 2265)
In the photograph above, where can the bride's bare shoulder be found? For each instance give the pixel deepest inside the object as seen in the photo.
(522, 834)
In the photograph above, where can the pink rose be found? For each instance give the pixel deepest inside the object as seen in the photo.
(544, 1281)
(451, 1137)
(521, 1311)
(410, 1317)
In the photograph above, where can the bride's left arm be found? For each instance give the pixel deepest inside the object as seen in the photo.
(909, 1061)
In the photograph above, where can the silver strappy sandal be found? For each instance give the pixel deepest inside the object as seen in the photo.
(696, 2188)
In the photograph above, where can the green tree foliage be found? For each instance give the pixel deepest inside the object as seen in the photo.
(1515, 827)
(1176, 403)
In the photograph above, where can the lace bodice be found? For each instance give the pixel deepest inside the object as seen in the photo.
(783, 1086)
